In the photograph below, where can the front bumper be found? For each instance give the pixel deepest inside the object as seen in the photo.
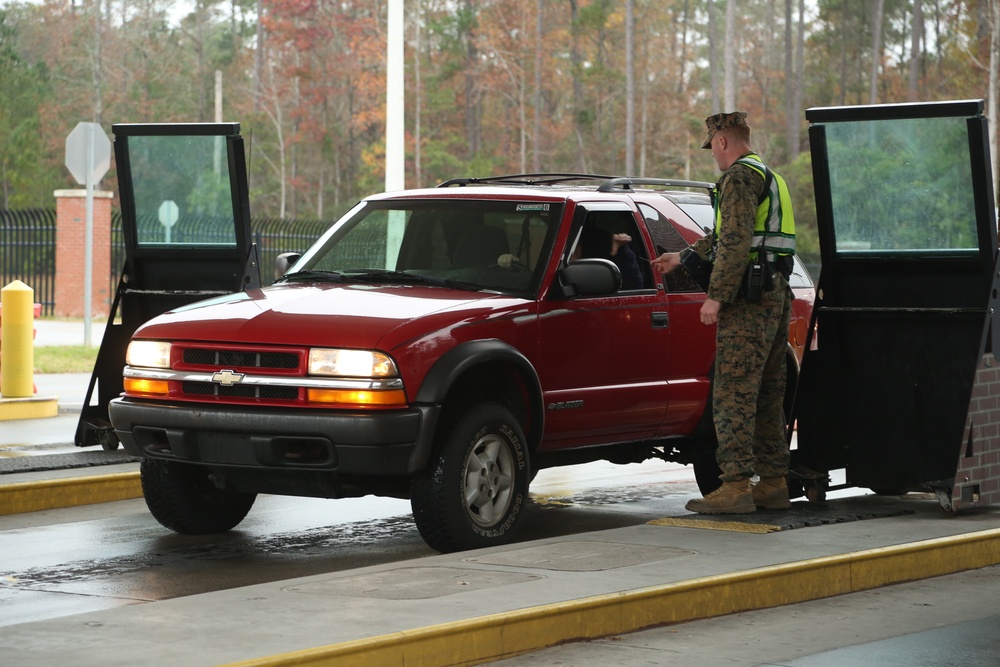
(396, 443)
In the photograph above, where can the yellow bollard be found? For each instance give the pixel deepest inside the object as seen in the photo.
(17, 352)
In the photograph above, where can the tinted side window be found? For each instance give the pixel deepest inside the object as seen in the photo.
(667, 239)
(598, 238)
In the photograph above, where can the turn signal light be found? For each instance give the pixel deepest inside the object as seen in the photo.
(357, 398)
(146, 387)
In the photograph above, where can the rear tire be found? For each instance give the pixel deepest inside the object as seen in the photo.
(183, 498)
(476, 485)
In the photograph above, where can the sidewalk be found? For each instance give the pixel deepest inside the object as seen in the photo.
(68, 332)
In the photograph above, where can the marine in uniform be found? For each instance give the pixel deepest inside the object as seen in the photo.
(754, 227)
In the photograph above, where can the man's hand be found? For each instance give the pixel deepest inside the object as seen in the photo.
(617, 241)
(710, 311)
(506, 260)
(667, 262)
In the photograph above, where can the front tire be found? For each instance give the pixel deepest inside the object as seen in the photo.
(476, 485)
(183, 498)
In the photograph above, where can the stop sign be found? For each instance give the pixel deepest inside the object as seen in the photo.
(88, 152)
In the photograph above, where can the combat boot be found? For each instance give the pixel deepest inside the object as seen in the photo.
(771, 493)
(730, 498)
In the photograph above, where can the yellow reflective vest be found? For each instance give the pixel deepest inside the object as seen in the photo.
(774, 227)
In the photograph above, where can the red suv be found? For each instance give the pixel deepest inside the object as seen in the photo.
(441, 345)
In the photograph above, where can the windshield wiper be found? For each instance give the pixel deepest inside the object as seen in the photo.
(313, 274)
(401, 276)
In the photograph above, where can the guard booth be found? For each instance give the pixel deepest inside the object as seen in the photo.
(902, 390)
(186, 227)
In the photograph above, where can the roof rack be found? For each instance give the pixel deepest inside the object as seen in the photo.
(625, 183)
(526, 179)
(609, 183)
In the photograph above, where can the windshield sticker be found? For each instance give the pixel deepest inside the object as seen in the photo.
(532, 207)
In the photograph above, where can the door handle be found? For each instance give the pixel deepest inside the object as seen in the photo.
(660, 320)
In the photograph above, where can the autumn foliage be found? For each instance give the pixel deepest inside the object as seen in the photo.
(492, 86)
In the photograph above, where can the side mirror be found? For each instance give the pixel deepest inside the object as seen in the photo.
(284, 261)
(590, 277)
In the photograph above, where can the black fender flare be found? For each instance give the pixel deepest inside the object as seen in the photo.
(464, 357)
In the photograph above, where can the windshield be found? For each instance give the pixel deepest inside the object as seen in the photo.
(499, 246)
(698, 209)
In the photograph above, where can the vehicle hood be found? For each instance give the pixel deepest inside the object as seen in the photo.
(314, 315)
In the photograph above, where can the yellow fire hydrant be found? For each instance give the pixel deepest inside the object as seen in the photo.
(17, 352)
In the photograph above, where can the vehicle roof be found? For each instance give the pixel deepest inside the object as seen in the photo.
(556, 187)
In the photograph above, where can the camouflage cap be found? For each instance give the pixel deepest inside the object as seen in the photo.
(723, 121)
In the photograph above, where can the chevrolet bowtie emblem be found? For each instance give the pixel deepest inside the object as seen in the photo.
(227, 378)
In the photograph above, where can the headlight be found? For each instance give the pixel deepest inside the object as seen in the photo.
(148, 354)
(351, 363)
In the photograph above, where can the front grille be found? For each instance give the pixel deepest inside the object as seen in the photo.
(241, 359)
(241, 391)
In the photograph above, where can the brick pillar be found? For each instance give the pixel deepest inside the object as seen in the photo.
(71, 251)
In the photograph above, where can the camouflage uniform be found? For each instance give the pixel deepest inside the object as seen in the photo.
(751, 338)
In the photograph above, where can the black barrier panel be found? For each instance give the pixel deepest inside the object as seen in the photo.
(186, 225)
(909, 247)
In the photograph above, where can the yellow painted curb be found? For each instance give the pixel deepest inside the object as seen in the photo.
(69, 492)
(504, 635)
(28, 408)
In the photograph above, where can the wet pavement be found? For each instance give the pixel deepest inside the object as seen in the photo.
(491, 604)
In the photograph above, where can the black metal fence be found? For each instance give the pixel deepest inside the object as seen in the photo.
(28, 248)
(28, 252)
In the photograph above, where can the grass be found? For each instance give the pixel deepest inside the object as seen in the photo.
(65, 358)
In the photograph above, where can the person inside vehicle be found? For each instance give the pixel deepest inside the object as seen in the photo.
(595, 242)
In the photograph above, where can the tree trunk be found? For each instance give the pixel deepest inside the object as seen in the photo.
(729, 92)
(682, 56)
(791, 113)
(799, 75)
(644, 110)
(713, 59)
(629, 88)
(258, 69)
(843, 51)
(471, 90)
(994, 84)
(877, 12)
(916, 55)
(536, 158)
(418, 174)
(522, 123)
(577, 62)
(97, 63)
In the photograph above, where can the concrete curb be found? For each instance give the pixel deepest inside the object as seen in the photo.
(32, 407)
(19, 497)
(505, 635)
